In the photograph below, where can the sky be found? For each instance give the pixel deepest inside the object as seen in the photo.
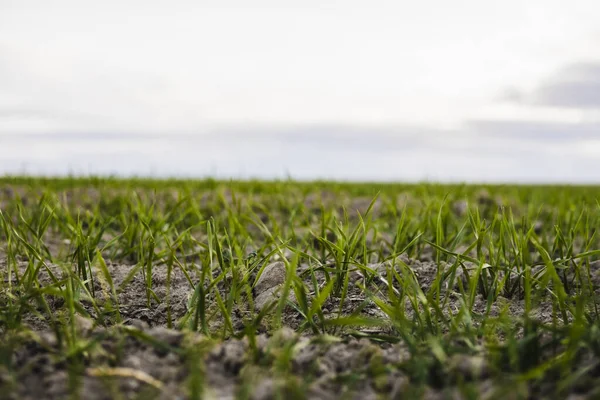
(467, 90)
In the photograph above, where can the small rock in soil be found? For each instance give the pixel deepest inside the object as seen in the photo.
(265, 298)
(268, 285)
(272, 275)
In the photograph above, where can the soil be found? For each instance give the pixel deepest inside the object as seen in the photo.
(148, 355)
(341, 369)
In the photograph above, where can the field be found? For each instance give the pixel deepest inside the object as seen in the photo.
(286, 290)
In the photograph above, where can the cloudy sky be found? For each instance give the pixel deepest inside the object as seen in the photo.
(466, 90)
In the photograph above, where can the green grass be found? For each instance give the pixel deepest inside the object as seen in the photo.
(341, 244)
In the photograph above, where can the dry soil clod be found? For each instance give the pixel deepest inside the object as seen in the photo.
(266, 288)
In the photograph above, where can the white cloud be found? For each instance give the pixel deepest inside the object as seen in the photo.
(574, 87)
(187, 65)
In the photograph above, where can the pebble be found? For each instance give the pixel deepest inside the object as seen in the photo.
(265, 298)
(266, 288)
